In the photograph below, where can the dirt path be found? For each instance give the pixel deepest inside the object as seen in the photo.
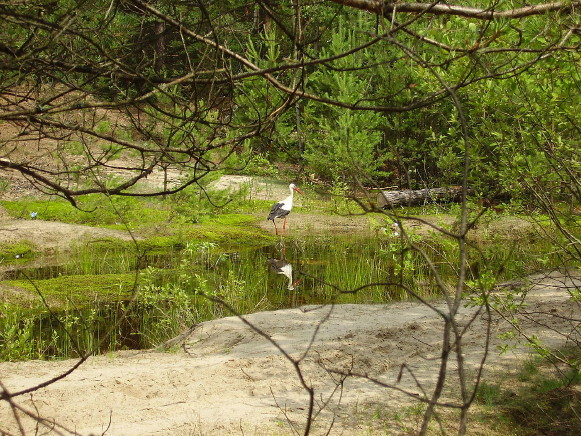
(228, 379)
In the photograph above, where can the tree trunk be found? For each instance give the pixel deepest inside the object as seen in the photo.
(387, 199)
(160, 46)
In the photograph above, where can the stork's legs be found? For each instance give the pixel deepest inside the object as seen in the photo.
(283, 226)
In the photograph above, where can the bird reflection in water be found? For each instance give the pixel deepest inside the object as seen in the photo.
(284, 267)
(281, 266)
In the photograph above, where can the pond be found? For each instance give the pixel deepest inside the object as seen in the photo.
(152, 298)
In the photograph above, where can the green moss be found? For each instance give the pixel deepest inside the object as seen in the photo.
(105, 244)
(230, 229)
(18, 251)
(161, 243)
(223, 230)
(79, 289)
(232, 219)
(95, 210)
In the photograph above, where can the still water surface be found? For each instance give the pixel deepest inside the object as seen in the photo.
(290, 273)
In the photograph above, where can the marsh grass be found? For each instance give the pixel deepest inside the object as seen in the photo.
(113, 295)
(40, 334)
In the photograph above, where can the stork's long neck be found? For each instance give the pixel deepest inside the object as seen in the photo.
(289, 200)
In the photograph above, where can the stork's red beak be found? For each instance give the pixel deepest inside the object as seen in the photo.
(298, 190)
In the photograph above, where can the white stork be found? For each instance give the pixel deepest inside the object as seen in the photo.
(283, 208)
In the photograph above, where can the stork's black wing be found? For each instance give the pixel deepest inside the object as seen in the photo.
(277, 211)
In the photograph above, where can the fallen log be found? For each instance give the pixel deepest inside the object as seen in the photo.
(408, 197)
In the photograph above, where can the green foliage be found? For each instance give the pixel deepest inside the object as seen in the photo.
(172, 300)
(518, 122)
(249, 163)
(167, 307)
(148, 216)
(342, 144)
(340, 193)
(63, 333)
(16, 337)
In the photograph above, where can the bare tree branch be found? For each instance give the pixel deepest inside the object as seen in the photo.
(386, 9)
